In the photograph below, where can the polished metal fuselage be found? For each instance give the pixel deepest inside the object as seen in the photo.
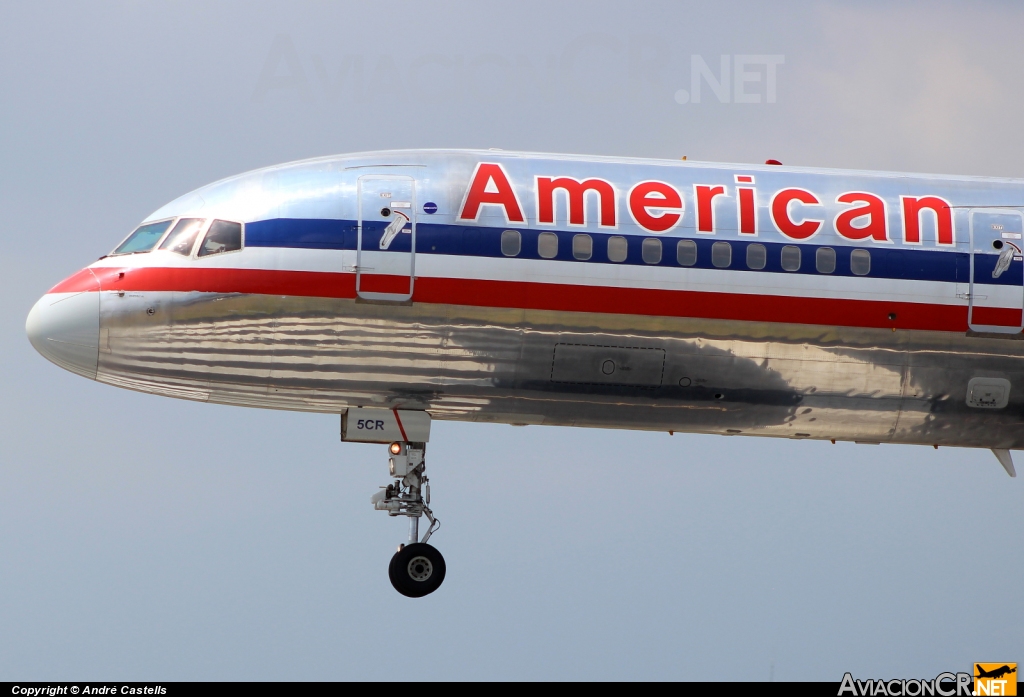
(472, 362)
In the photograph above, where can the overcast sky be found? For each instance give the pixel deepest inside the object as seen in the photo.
(143, 537)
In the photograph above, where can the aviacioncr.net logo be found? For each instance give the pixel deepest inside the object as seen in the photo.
(943, 685)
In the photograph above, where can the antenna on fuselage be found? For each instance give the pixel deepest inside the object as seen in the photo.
(1006, 460)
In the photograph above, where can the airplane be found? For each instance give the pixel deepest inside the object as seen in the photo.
(398, 287)
(996, 673)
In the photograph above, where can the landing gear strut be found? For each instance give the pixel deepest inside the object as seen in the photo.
(417, 569)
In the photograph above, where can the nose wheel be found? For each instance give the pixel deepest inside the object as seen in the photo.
(416, 569)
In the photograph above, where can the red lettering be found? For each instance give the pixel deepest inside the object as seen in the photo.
(780, 213)
(876, 228)
(575, 192)
(747, 210)
(705, 196)
(490, 187)
(912, 209)
(658, 196)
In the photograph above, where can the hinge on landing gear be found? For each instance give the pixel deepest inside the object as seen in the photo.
(435, 524)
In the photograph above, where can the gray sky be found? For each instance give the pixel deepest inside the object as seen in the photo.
(149, 538)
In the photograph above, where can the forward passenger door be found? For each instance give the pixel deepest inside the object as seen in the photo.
(997, 271)
(386, 238)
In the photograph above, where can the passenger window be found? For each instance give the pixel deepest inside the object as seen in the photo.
(686, 252)
(825, 260)
(582, 247)
(790, 258)
(547, 245)
(617, 248)
(650, 250)
(511, 243)
(757, 256)
(860, 262)
(144, 238)
(221, 237)
(721, 254)
(183, 236)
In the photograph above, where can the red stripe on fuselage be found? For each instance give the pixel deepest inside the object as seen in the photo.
(997, 316)
(381, 283)
(679, 303)
(81, 282)
(558, 297)
(256, 281)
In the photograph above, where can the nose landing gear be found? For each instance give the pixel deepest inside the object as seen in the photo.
(416, 569)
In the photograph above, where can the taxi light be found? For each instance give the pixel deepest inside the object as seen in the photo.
(396, 448)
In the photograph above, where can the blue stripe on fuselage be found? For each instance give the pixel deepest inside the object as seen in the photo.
(301, 233)
(462, 240)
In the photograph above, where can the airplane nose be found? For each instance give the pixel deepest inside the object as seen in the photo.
(65, 329)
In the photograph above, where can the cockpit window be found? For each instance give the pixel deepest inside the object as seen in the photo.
(223, 236)
(183, 236)
(144, 238)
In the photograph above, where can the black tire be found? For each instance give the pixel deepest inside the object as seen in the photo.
(416, 570)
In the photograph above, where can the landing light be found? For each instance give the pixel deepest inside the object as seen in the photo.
(396, 448)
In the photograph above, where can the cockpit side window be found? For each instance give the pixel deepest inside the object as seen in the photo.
(223, 236)
(144, 238)
(183, 236)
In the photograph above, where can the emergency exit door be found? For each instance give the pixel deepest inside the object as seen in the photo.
(386, 237)
(997, 271)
